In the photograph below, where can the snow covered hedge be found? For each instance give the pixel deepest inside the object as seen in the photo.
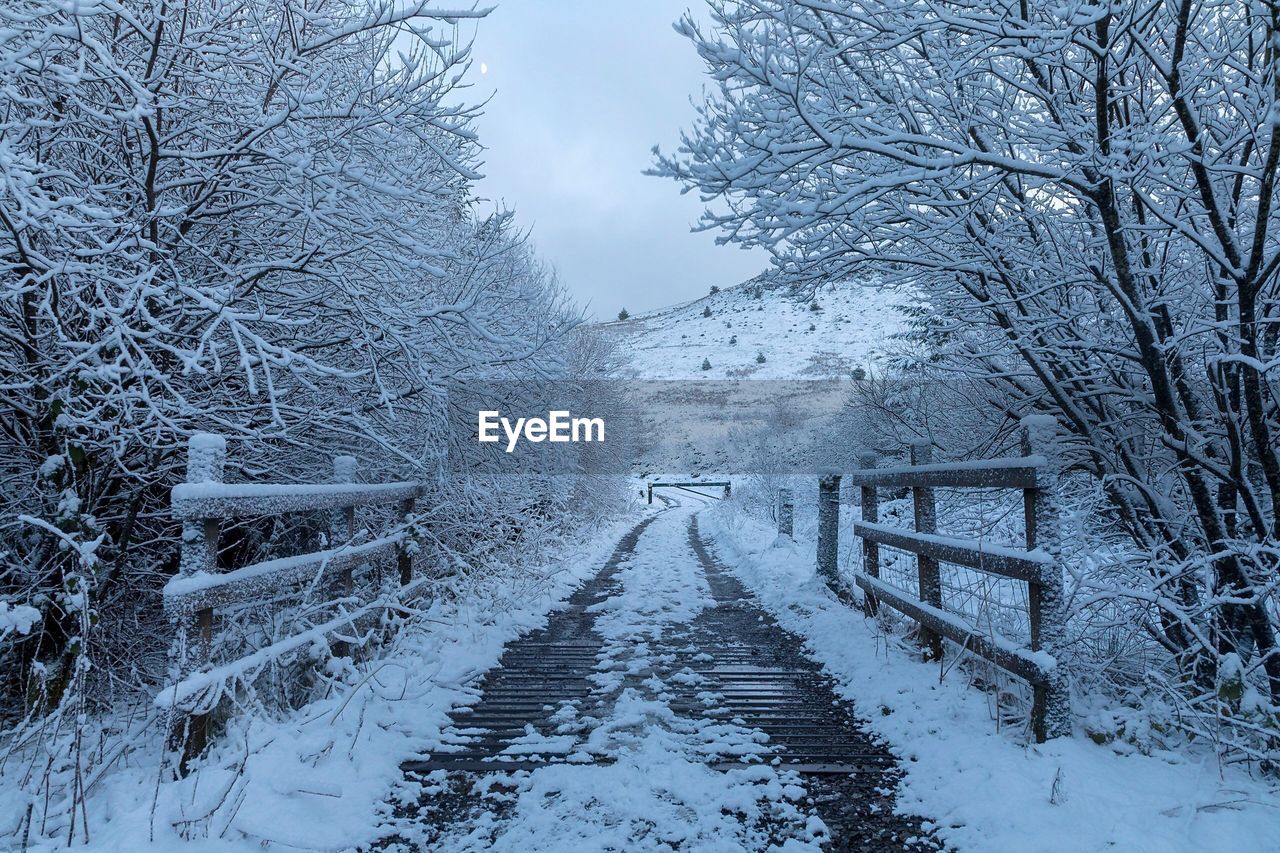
(253, 219)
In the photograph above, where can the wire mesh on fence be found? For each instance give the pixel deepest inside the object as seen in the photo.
(991, 603)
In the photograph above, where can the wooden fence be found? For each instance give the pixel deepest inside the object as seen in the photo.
(203, 503)
(689, 487)
(1037, 565)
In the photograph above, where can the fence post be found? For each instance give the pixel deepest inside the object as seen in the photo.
(651, 493)
(1051, 704)
(828, 527)
(870, 550)
(786, 512)
(343, 523)
(926, 517)
(728, 491)
(206, 461)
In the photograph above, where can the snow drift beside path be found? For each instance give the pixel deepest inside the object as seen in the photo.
(986, 790)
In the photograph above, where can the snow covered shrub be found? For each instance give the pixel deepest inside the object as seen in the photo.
(243, 219)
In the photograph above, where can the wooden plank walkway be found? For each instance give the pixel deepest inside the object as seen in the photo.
(731, 664)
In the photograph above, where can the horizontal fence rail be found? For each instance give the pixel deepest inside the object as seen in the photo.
(702, 484)
(1037, 565)
(199, 588)
(1030, 666)
(1019, 473)
(1029, 566)
(187, 593)
(191, 687)
(242, 500)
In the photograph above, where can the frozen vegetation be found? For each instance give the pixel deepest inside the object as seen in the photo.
(252, 222)
(1081, 198)
(243, 261)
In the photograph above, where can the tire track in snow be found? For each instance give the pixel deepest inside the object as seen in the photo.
(650, 753)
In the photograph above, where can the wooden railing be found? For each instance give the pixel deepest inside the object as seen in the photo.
(191, 597)
(1037, 565)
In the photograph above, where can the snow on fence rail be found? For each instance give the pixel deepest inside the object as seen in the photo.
(187, 594)
(240, 500)
(1034, 474)
(203, 503)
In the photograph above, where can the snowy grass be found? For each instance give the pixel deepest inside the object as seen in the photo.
(988, 789)
(850, 331)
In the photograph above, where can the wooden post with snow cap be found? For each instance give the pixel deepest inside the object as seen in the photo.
(786, 512)
(828, 526)
(206, 461)
(342, 529)
(870, 548)
(1051, 705)
(343, 522)
(930, 579)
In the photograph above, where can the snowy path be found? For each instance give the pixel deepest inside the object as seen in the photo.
(662, 709)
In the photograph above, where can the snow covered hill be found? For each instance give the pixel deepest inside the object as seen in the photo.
(850, 329)
(699, 415)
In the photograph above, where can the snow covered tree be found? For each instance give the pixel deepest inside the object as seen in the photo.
(251, 218)
(1084, 196)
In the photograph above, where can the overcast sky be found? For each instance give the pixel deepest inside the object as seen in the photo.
(582, 91)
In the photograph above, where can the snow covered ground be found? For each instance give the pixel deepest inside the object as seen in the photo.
(851, 330)
(658, 792)
(319, 779)
(322, 779)
(985, 789)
